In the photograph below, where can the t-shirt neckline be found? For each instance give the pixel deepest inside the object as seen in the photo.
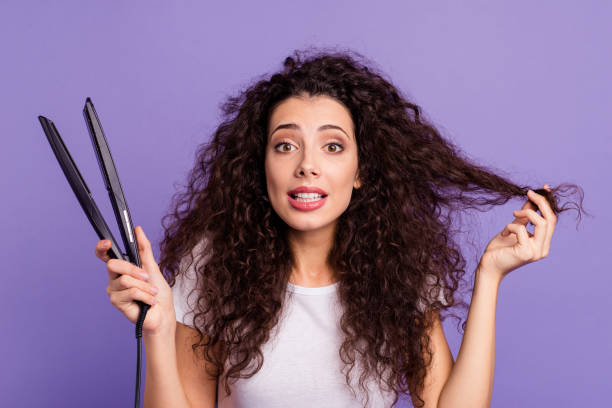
(321, 290)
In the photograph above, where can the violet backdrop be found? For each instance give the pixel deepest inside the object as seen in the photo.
(521, 86)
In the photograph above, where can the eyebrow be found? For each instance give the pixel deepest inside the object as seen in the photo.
(296, 127)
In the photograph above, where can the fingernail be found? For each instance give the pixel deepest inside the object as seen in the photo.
(144, 275)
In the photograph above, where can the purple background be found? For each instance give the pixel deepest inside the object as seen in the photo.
(521, 86)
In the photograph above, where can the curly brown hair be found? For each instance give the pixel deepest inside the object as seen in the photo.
(394, 248)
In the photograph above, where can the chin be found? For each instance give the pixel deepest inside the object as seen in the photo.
(303, 228)
(309, 222)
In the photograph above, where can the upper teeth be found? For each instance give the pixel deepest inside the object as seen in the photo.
(308, 195)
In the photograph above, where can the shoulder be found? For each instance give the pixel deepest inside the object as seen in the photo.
(432, 290)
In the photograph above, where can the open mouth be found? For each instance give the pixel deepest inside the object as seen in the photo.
(306, 198)
(307, 201)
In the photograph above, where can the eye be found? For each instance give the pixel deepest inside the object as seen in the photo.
(336, 144)
(281, 144)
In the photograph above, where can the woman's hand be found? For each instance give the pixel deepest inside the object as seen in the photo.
(515, 246)
(128, 282)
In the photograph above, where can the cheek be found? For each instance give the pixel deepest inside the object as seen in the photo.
(344, 175)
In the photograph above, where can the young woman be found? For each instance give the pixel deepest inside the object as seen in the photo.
(308, 260)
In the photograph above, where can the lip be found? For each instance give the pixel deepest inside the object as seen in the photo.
(307, 189)
(306, 205)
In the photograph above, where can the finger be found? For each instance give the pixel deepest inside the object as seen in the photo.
(144, 248)
(529, 205)
(542, 205)
(521, 233)
(123, 297)
(520, 218)
(551, 227)
(540, 230)
(118, 267)
(127, 281)
(548, 215)
(102, 248)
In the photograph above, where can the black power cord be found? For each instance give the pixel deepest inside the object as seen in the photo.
(144, 308)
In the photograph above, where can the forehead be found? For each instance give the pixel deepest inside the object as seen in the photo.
(311, 110)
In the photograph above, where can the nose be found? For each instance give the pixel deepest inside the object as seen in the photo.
(307, 166)
(304, 170)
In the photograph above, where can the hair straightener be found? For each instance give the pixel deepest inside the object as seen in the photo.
(115, 192)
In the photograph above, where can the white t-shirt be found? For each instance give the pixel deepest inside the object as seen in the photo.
(301, 367)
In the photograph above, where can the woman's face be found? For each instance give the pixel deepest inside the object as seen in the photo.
(311, 143)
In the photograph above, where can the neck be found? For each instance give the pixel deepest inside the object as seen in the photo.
(310, 250)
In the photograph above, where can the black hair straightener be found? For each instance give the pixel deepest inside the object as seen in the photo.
(115, 192)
